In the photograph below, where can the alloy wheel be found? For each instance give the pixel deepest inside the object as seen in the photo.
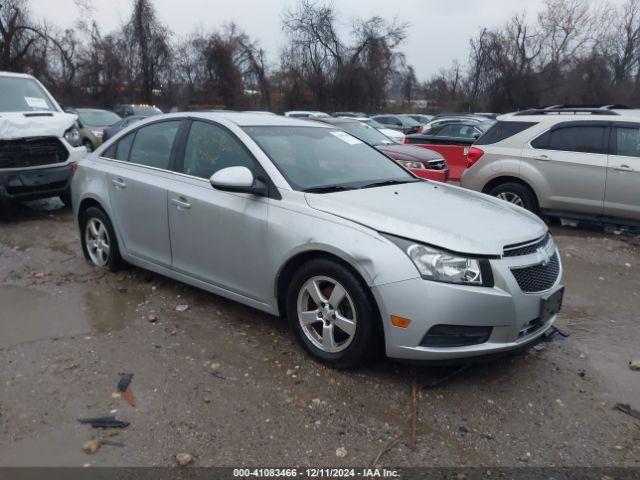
(511, 198)
(97, 242)
(327, 314)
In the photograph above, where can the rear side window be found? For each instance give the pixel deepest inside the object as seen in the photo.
(152, 144)
(458, 131)
(503, 130)
(628, 141)
(584, 139)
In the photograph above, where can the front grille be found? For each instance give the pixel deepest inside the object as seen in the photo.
(32, 152)
(438, 164)
(26, 189)
(538, 278)
(526, 248)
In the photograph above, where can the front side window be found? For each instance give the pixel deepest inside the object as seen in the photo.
(584, 139)
(313, 158)
(23, 95)
(152, 144)
(628, 141)
(211, 148)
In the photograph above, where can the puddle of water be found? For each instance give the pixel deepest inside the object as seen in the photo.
(27, 314)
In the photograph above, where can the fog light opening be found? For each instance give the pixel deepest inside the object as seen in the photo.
(448, 336)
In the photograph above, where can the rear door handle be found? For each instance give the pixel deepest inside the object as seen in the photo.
(181, 203)
(543, 158)
(623, 168)
(119, 183)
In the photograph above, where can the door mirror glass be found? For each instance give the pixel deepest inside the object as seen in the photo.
(233, 179)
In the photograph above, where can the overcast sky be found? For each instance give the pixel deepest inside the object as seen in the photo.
(439, 30)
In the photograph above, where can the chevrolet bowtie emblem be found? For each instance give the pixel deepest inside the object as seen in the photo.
(542, 252)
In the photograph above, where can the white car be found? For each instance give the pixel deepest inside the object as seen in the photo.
(306, 114)
(394, 135)
(40, 144)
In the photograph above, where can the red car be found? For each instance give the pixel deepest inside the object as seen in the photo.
(421, 162)
(452, 140)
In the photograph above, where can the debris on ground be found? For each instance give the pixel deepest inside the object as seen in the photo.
(626, 408)
(184, 459)
(341, 452)
(39, 275)
(124, 388)
(215, 367)
(104, 422)
(634, 364)
(152, 317)
(92, 446)
(182, 308)
(447, 377)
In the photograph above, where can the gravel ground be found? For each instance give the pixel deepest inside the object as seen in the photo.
(228, 385)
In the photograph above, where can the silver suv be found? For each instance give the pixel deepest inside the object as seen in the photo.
(573, 163)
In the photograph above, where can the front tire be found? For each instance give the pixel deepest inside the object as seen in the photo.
(517, 194)
(99, 242)
(331, 314)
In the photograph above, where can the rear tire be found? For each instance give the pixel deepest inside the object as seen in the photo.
(99, 242)
(336, 321)
(517, 194)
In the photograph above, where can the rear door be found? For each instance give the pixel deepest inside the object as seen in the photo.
(138, 182)
(218, 237)
(571, 163)
(622, 195)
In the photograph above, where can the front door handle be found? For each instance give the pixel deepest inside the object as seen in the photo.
(119, 183)
(543, 158)
(623, 168)
(181, 203)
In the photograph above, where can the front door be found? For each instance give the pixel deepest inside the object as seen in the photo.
(218, 237)
(622, 197)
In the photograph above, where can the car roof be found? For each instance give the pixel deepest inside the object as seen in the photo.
(566, 117)
(15, 75)
(337, 120)
(248, 119)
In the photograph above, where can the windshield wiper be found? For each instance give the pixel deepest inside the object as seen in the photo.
(384, 183)
(328, 189)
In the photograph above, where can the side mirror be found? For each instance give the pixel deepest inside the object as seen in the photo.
(237, 179)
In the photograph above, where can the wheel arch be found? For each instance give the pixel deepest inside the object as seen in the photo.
(296, 261)
(494, 182)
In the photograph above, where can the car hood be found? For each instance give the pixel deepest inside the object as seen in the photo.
(14, 125)
(440, 215)
(408, 152)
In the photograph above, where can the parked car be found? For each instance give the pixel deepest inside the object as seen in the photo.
(401, 123)
(421, 118)
(422, 163)
(394, 135)
(349, 114)
(306, 114)
(452, 140)
(575, 163)
(303, 219)
(110, 131)
(140, 109)
(39, 143)
(92, 123)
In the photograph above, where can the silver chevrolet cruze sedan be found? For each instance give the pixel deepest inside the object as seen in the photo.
(301, 219)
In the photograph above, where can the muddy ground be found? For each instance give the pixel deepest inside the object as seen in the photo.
(67, 330)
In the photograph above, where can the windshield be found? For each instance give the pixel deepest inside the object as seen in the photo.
(23, 95)
(371, 122)
(315, 157)
(98, 118)
(146, 111)
(409, 121)
(484, 126)
(365, 133)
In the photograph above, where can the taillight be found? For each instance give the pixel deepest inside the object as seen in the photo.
(473, 156)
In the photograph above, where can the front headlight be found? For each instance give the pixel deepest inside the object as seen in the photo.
(442, 266)
(412, 165)
(97, 133)
(72, 135)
